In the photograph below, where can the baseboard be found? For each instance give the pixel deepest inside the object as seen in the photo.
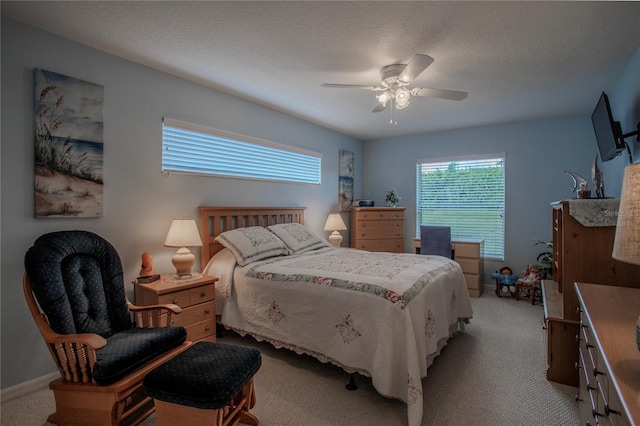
(27, 387)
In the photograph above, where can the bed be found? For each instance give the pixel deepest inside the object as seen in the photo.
(382, 315)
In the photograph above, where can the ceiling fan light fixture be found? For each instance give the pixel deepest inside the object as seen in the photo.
(384, 98)
(402, 98)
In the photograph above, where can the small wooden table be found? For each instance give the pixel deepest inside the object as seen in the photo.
(196, 298)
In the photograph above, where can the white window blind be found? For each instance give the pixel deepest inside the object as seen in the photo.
(467, 194)
(190, 148)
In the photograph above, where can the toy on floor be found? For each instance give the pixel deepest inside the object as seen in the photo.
(505, 281)
(530, 284)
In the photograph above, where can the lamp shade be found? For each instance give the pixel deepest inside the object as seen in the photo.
(335, 223)
(626, 246)
(183, 233)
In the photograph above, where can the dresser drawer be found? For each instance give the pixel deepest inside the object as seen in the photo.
(473, 281)
(471, 250)
(372, 215)
(201, 330)
(194, 314)
(379, 233)
(471, 266)
(202, 294)
(378, 225)
(180, 298)
(390, 245)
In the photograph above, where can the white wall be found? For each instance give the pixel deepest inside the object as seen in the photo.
(139, 200)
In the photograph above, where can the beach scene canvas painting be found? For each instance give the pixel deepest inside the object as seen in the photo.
(68, 146)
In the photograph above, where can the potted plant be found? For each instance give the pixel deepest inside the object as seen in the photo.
(392, 198)
(545, 258)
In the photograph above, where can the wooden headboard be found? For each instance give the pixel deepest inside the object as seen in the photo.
(216, 220)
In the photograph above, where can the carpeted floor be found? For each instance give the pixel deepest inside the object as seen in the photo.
(493, 373)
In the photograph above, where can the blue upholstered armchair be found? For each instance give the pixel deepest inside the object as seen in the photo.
(102, 345)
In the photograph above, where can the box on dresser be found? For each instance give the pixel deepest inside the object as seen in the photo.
(609, 360)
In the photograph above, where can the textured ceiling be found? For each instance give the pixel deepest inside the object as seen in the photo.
(517, 60)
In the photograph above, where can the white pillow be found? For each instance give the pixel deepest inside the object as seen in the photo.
(298, 238)
(251, 244)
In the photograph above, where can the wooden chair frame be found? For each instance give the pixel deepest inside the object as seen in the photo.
(237, 411)
(81, 401)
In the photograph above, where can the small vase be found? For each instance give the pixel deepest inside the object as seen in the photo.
(390, 204)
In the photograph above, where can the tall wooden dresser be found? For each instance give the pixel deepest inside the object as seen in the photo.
(583, 234)
(377, 228)
(609, 362)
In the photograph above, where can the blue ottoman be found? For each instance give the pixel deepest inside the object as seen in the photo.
(208, 384)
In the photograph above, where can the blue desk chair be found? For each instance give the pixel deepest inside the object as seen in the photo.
(435, 240)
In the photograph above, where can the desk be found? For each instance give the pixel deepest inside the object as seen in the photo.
(468, 253)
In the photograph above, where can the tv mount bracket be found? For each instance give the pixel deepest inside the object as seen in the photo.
(626, 135)
(637, 132)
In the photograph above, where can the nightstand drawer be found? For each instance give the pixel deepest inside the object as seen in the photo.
(469, 266)
(202, 294)
(194, 314)
(180, 298)
(467, 250)
(473, 281)
(201, 330)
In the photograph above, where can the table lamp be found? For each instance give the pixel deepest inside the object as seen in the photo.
(335, 224)
(183, 233)
(626, 246)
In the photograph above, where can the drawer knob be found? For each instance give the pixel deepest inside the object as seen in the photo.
(175, 301)
(207, 311)
(576, 366)
(596, 372)
(208, 328)
(203, 294)
(608, 410)
(577, 397)
(577, 338)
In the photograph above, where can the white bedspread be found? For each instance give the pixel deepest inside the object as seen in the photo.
(380, 314)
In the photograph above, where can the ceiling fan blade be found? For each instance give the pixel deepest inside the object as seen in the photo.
(352, 86)
(416, 65)
(379, 108)
(451, 95)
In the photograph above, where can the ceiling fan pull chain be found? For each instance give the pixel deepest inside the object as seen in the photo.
(391, 121)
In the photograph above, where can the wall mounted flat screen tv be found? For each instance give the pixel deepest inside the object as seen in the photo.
(608, 131)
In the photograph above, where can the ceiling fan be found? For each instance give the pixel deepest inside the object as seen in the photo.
(395, 79)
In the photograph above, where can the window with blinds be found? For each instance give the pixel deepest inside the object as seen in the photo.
(194, 149)
(465, 193)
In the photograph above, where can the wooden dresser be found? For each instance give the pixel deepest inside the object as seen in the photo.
(469, 255)
(377, 228)
(580, 254)
(609, 360)
(196, 298)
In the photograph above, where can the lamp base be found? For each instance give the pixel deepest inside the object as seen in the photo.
(183, 260)
(335, 239)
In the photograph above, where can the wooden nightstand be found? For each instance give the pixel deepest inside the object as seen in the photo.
(196, 298)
